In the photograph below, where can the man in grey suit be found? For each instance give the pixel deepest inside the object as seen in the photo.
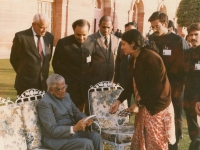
(62, 123)
(103, 53)
(30, 55)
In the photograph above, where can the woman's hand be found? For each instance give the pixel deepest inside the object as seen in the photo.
(133, 109)
(114, 107)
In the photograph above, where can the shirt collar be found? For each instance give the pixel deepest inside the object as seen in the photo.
(101, 34)
(103, 37)
(34, 33)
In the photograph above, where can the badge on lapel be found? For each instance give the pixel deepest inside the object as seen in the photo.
(197, 66)
(88, 59)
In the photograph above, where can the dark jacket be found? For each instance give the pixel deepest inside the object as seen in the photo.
(103, 62)
(26, 61)
(69, 61)
(173, 62)
(122, 70)
(192, 85)
(151, 81)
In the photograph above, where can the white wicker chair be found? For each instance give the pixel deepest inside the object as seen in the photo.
(115, 130)
(28, 103)
(11, 126)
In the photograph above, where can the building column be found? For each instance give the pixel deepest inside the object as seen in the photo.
(60, 19)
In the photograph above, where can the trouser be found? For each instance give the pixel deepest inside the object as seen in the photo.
(79, 98)
(178, 111)
(83, 140)
(39, 87)
(129, 100)
(193, 128)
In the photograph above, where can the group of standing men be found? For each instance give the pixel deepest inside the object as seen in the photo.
(82, 61)
(183, 70)
(86, 60)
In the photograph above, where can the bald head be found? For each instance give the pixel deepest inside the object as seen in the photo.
(105, 19)
(40, 16)
(40, 24)
(105, 25)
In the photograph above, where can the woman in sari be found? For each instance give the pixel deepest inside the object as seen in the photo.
(154, 124)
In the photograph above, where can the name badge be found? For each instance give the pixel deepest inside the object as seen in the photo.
(197, 66)
(88, 59)
(167, 52)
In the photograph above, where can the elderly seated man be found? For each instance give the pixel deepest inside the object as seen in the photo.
(62, 123)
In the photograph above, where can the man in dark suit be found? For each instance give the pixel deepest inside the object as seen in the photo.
(121, 69)
(103, 53)
(62, 123)
(30, 55)
(192, 85)
(171, 49)
(71, 60)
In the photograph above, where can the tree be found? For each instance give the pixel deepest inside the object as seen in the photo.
(188, 12)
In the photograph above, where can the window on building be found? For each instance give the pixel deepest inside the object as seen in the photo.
(46, 7)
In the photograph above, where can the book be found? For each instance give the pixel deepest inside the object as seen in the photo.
(89, 117)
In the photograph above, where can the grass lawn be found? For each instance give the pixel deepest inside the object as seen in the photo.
(7, 78)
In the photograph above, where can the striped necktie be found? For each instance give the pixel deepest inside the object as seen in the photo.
(40, 51)
(106, 41)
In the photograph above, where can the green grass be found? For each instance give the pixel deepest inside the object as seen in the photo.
(7, 79)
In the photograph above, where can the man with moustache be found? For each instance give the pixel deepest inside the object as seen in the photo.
(192, 85)
(171, 49)
(103, 53)
(71, 60)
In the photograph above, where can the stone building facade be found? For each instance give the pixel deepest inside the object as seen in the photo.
(16, 15)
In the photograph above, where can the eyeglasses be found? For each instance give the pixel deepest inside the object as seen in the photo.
(61, 89)
(156, 27)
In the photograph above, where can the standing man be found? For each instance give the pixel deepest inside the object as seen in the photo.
(171, 27)
(30, 55)
(117, 33)
(103, 52)
(171, 49)
(122, 70)
(71, 60)
(131, 25)
(192, 85)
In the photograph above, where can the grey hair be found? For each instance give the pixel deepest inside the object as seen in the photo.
(53, 80)
(40, 16)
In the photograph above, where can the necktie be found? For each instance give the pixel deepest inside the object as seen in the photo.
(106, 41)
(40, 49)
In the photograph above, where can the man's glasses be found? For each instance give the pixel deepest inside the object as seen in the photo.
(156, 27)
(61, 89)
